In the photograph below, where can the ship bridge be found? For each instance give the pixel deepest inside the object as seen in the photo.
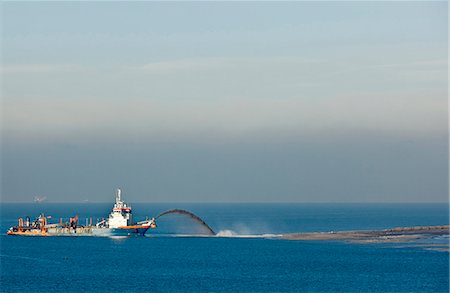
(121, 213)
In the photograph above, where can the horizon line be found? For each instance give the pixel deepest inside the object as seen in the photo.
(233, 202)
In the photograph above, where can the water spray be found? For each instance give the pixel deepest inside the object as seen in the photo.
(190, 215)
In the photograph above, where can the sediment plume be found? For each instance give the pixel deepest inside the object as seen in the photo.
(190, 215)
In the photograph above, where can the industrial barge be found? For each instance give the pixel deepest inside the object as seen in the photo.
(119, 223)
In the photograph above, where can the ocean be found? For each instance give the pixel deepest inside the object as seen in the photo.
(175, 257)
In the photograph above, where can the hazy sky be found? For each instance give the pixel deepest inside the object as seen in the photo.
(215, 101)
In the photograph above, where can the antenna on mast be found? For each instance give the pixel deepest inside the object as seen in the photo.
(118, 194)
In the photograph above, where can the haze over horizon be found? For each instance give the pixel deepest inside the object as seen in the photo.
(225, 102)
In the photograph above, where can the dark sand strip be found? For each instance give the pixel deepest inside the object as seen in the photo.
(396, 235)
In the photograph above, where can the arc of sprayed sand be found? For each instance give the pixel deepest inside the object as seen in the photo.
(189, 214)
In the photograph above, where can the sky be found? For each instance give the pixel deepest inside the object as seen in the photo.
(224, 101)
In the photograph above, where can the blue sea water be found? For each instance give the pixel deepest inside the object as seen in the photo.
(162, 262)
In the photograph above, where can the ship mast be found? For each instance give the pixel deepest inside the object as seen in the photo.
(118, 195)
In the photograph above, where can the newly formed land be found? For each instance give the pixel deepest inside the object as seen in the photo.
(403, 234)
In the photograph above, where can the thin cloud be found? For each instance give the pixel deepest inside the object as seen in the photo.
(439, 65)
(39, 68)
(196, 64)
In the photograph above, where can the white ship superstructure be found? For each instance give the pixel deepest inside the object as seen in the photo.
(120, 215)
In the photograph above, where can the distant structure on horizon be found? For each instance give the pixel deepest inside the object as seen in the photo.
(40, 199)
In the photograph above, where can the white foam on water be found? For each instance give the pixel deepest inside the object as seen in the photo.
(221, 234)
(226, 233)
(232, 234)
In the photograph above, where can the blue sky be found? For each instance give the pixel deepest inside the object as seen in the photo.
(216, 101)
